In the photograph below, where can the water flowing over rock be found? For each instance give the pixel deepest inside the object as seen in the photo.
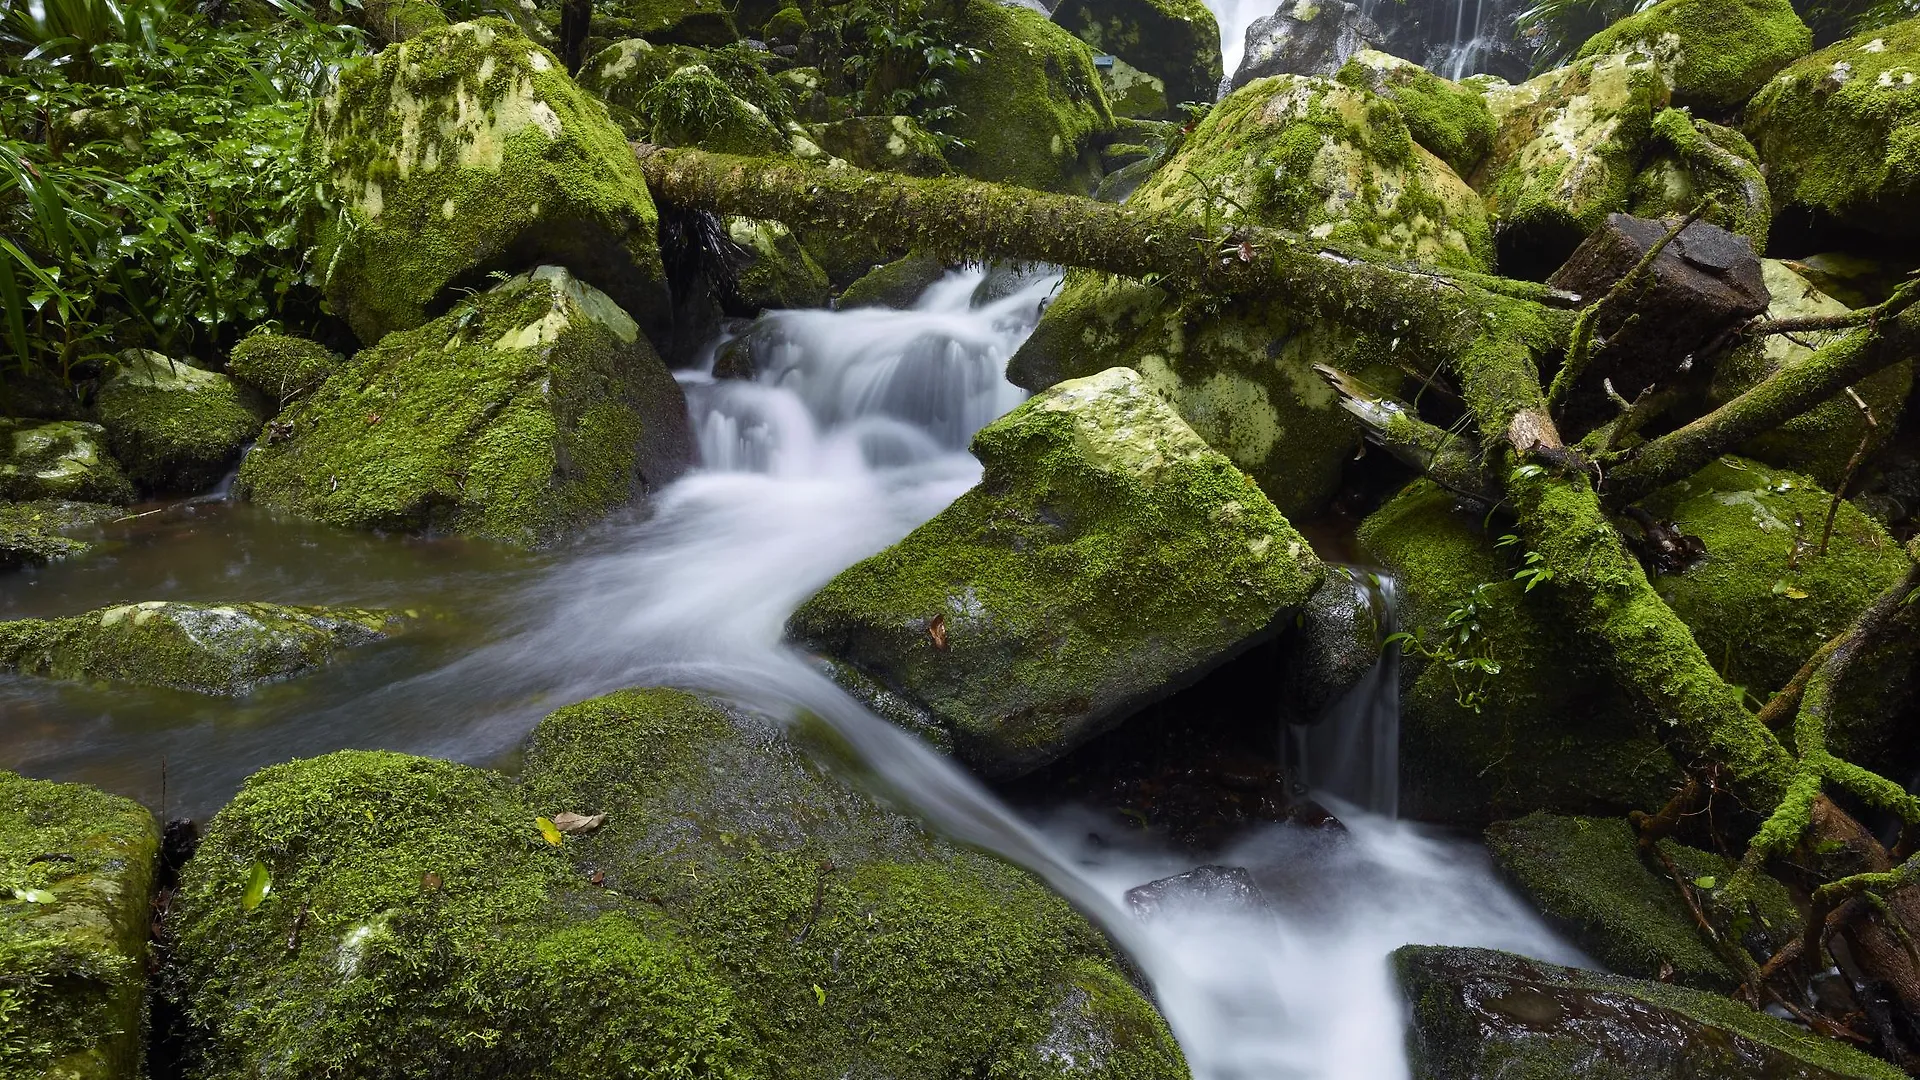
(176, 427)
(1212, 888)
(221, 649)
(468, 150)
(1305, 37)
(527, 412)
(1480, 1014)
(1176, 42)
(78, 868)
(60, 459)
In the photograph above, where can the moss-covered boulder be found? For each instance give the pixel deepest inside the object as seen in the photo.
(1551, 729)
(174, 426)
(528, 411)
(739, 913)
(76, 883)
(60, 459)
(1132, 94)
(668, 22)
(1478, 1014)
(1106, 558)
(623, 72)
(1840, 130)
(1586, 875)
(776, 271)
(1450, 120)
(897, 284)
(1031, 110)
(895, 144)
(693, 106)
(1177, 42)
(1764, 598)
(37, 532)
(1566, 148)
(221, 649)
(1692, 160)
(468, 150)
(280, 367)
(1820, 441)
(1718, 52)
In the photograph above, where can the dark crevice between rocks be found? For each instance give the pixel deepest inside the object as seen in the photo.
(166, 1021)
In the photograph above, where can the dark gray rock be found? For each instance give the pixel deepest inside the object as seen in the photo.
(1220, 888)
(1304, 37)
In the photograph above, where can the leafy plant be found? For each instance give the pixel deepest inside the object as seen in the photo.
(894, 60)
(1460, 647)
(68, 31)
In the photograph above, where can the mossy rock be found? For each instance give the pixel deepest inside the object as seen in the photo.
(1820, 441)
(697, 108)
(1586, 875)
(1717, 52)
(1566, 147)
(526, 413)
(76, 885)
(622, 73)
(468, 150)
(1032, 111)
(1840, 130)
(61, 459)
(784, 27)
(1132, 94)
(174, 426)
(675, 22)
(1240, 374)
(1482, 1013)
(896, 144)
(1551, 730)
(1176, 42)
(1106, 558)
(280, 367)
(219, 649)
(32, 533)
(848, 257)
(1691, 161)
(1763, 600)
(778, 272)
(1450, 120)
(737, 915)
(897, 284)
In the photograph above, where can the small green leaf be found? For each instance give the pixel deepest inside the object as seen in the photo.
(34, 896)
(1707, 882)
(1789, 590)
(259, 884)
(549, 830)
(819, 995)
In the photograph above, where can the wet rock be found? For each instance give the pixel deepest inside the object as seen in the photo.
(895, 285)
(1031, 111)
(884, 144)
(1703, 285)
(777, 272)
(1820, 441)
(466, 150)
(1334, 642)
(1588, 877)
(37, 532)
(1718, 52)
(525, 413)
(76, 877)
(177, 428)
(740, 908)
(1132, 94)
(1840, 130)
(62, 459)
(1107, 558)
(1004, 279)
(220, 649)
(1217, 889)
(1480, 1014)
(1174, 42)
(1304, 37)
(280, 367)
(1449, 119)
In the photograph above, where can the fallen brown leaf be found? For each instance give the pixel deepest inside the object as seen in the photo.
(937, 630)
(578, 823)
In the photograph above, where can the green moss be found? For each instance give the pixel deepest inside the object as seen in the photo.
(1840, 130)
(883, 144)
(1694, 160)
(176, 427)
(897, 284)
(670, 22)
(1763, 600)
(467, 150)
(36, 532)
(1717, 52)
(279, 366)
(1031, 111)
(1555, 730)
(694, 107)
(1106, 555)
(531, 410)
(1447, 118)
(786, 26)
(1175, 42)
(622, 73)
(778, 272)
(207, 648)
(72, 970)
(61, 459)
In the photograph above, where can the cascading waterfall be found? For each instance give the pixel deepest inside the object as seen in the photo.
(1353, 752)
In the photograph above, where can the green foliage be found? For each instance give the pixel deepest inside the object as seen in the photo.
(1460, 647)
(894, 59)
(68, 31)
(150, 187)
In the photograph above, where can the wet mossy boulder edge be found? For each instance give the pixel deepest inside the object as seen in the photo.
(177, 428)
(1718, 52)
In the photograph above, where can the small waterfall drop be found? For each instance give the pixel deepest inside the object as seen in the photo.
(1353, 752)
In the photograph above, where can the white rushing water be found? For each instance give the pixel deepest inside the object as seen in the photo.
(853, 434)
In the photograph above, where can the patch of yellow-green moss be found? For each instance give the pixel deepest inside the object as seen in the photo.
(280, 367)
(176, 428)
(1693, 161)
(778, 272)
(883, 144)
(897, 284)
(38, 532)
(1031, 110)
(1718, 52)
(1446, 117)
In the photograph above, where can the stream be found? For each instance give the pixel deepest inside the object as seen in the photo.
(854, 433)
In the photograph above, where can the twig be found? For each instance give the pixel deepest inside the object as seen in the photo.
(1853, 463)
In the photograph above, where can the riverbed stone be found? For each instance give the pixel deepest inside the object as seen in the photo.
(59, 459)
(896, 144)
(76, 882)
(32, 533)
(218, 649)
(176, 428)
(775, 271)
(280, 367)
(1107, 558)
(897, 284)
(464, 151)
(1718, 52)
(528, 412)
(736, 913)
(1031, 110)
(1480, 1014)
(1176, 42)
(1840, 130)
